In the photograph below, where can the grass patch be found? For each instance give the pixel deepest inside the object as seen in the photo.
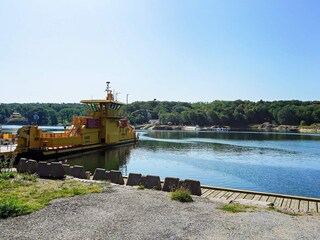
(285, 212)
(140, 187)
(7, 175)
(13, 207)
(236, 208)
(26, 193)
(29, 177)
(181, 195)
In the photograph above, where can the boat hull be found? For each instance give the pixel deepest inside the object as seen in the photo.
(40, 155)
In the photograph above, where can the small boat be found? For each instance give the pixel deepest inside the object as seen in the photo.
(105, 127)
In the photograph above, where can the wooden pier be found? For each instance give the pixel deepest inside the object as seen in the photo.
(280, 201)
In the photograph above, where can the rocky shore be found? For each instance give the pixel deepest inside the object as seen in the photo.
(286, 128)
(260, 127)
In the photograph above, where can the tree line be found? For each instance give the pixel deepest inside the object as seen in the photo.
(230, 113)
(49, 113)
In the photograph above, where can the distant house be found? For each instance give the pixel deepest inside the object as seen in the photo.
(154, 121)
(16, 118)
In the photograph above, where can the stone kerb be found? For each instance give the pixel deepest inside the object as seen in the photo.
(32, 166)
(56, 171)
(52, 170)
(192, 185)
(78, 172)
(66, 168)
(170, 184)
(27, 166)
(115, 177)
(44, 169)
(134, 179)
(143, 181)
(153, 182)
(22, 165)
(100, 174)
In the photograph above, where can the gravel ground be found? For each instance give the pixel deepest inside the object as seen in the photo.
(127, 213)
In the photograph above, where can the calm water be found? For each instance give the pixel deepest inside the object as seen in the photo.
(271, 162)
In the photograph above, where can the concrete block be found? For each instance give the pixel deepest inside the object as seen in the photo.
(143, 181)
(22, 165)
(43, 169)
(78, 172)
(88, 175)
(153, 182)
(170, 184)
(100, 174)
(134, 179)
(32, 166)
(192, 185)
(56, 170)
(115, 177)
(66, 168)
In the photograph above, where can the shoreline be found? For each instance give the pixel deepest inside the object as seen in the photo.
(256, 127)
(129, 213)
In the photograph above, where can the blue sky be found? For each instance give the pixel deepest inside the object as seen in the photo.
(175, 50)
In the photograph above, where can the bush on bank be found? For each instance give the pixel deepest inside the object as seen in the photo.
(181, 195)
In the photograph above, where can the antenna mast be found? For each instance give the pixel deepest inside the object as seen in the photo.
(109, 91)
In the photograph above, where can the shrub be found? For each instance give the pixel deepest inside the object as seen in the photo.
(12, 208)
(7, 175)
(181, 195)
(6, 163)
(140, 187)
(29, 177)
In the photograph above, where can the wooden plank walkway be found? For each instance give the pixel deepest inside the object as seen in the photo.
(280, 201)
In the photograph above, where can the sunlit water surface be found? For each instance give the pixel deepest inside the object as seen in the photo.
(270, 162)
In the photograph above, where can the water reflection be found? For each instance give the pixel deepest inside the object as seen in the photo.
(111, 159)
(231, 135)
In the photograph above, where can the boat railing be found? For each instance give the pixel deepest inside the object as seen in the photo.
(53, 135)
(79, 120)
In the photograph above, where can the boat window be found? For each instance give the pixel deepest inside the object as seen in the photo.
(114, 106)
(94, 107)
(103, 108)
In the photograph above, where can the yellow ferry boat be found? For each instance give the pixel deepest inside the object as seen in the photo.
(104, 128)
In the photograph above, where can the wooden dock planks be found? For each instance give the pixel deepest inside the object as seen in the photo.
(304, 206)
(295, 204)
(207, 193)
(313, 207)
(287, 202)
(271, 199)
(257, 197)
(220, 194)
(233, 196)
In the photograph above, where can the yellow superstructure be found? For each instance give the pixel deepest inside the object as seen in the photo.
(104, 127)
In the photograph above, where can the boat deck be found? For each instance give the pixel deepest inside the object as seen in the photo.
(280, 201)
